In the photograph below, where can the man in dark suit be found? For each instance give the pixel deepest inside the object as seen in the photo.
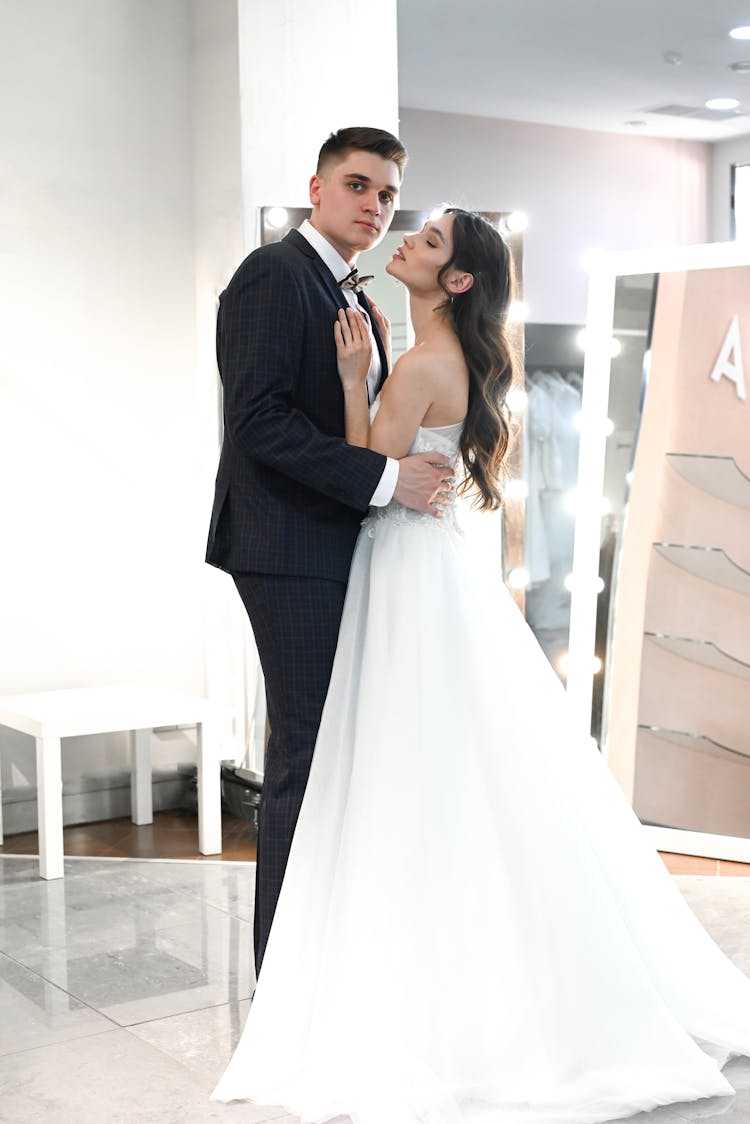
(290, 493)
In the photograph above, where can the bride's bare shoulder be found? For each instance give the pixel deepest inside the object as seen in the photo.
(435, 362)
(439, 367)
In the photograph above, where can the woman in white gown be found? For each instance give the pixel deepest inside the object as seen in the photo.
(472, 927)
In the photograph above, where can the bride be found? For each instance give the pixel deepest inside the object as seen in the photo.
(472, 927)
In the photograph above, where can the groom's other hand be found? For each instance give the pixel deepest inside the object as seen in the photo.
(425, 481)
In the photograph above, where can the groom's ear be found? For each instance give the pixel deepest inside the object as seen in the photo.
(460, 282)
(314, 189)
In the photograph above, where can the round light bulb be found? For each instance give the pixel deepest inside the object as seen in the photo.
(518, 578)
(571, 583)
(740, 33)
(517, 400)
(277, 217)
(516, 489)
(518, 312)
(613, 345)
(722, 103)
(516, 221)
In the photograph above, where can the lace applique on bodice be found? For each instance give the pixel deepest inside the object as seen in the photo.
(428, 439)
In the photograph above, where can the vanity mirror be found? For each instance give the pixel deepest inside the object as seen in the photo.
(662, 553)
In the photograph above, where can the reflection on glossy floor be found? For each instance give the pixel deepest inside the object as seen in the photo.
(124, 986)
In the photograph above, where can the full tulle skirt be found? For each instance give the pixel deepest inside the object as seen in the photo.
(473, 927)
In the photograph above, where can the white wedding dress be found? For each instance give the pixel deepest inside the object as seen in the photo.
(473, 928)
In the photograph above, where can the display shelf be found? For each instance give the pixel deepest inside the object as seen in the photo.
(701, 651)
(700, 742)
(719, 476)
(708, 562)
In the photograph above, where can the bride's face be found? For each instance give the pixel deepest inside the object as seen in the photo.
(418, 261)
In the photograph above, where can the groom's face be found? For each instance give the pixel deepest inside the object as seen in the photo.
(354, 201)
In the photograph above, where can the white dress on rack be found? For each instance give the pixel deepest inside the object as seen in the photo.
(472, 928)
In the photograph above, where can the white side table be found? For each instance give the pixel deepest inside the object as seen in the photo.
(50, 716)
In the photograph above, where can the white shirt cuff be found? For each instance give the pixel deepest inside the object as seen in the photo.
(387, 486)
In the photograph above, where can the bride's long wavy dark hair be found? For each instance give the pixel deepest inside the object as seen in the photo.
(480, 317)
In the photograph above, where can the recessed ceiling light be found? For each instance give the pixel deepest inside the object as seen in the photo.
(636, 124)
(672, 58)
(741, 67)
(740, 33)
(722, 103)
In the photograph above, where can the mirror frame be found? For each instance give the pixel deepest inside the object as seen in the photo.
(604, 272)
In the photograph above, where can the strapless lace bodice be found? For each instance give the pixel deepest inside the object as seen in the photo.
(439, 439)
(428, 439)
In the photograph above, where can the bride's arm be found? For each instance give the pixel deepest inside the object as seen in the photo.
(404, 399)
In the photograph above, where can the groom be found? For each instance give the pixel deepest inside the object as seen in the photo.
(290, 493)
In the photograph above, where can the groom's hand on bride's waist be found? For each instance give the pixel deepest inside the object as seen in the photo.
(425, 482)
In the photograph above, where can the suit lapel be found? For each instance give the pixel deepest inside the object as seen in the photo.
(300, 243)
(381, 349)
(329, 281)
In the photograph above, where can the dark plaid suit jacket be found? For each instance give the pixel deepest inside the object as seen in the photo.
(290, 493)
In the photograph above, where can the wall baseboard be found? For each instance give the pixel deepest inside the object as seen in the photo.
(96, 798)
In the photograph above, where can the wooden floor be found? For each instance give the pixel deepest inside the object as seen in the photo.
(174, 835)
(692, 864)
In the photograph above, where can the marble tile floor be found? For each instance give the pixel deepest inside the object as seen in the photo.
(124, 986)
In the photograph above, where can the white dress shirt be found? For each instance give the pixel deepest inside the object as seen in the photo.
(339, 268)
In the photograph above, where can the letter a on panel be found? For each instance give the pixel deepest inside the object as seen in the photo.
(729, 364)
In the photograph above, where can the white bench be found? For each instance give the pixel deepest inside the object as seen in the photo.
(50, 716)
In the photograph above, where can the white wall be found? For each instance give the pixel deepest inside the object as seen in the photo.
(726, 153)
(102, 432)
(138, 139)
(580, 190)
(296, 62)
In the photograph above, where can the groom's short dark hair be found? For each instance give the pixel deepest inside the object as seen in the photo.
(365, 140)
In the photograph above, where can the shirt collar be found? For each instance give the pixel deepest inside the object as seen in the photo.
(323, 248)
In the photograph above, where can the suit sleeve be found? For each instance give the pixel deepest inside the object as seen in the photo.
(261, 353)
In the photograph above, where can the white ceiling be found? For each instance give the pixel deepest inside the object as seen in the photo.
(588, 64)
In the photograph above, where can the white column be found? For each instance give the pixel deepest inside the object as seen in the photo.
(272, 79)
(306, 70)
(219, 249)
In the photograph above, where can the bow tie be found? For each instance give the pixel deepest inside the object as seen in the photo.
(355, 282)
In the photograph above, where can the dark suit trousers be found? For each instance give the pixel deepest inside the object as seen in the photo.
(295, 622)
